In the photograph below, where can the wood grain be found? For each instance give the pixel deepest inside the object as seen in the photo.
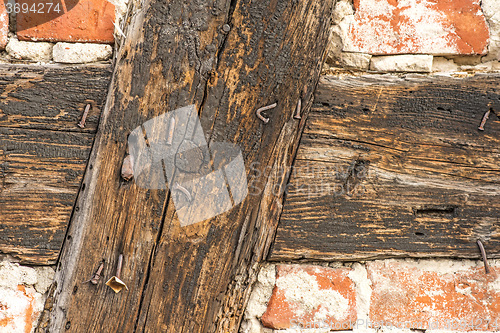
(52, 96)
(40, 177)
(395, 167)
(185, 279)
(43, 153)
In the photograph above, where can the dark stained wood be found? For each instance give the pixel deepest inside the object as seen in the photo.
(185, 279)
(395, 167)
(43, 153)
(40, 173)
(52, 96)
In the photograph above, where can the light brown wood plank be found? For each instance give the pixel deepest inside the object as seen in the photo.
(394, 167)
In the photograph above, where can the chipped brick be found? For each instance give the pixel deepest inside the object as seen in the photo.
(4, 25)
(434, 295)
(383, 27)
(310, 296)
(89, 21)
(17, 312)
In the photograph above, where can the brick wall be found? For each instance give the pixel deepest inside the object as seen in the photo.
(415, 36)
(382, 295)
(65, 32)
(367, 36)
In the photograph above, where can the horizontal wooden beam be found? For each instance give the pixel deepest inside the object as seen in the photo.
(52, 96)
(395, 167)
(43, 153)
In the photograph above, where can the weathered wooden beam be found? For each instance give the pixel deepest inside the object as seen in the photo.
(395, 167)
(227, 58)
(52, 96)
(43, 152)
(40, 173)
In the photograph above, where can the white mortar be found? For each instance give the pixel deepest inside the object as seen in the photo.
(491, 10)
(302, 289)
(35, 51)
(75, 53)
(257, 304)
(402, 63)
(15, 302)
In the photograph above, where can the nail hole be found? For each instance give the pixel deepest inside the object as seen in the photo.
(419, 234)
(69, 237)
(91, 166)
(75, 289)
(83, 187)
(107, 238)
(68, 325)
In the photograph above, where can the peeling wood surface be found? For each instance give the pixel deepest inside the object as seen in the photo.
(43, 153)
(185, 279)
(395, 167)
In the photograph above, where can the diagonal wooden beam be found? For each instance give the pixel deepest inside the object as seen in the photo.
(227, 59)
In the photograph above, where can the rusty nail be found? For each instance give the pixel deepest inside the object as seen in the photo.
(483, 122)
(226, 27)
(183, 190)
(171, 131)
(128, 168)
(115, 283)
(297, 109)
(119, 266)
(483, 254)
(97, 275)
(264, 108)
(81, 124)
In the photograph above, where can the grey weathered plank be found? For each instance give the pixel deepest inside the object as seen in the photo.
(395, 167)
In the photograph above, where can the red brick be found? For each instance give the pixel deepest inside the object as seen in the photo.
(85, 21)
(4, 25)
(311, 296)
(457, 298)
(418, 26)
